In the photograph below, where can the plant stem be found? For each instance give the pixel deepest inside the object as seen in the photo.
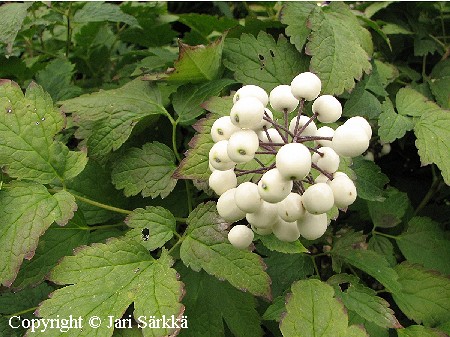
(99, 204)
(385, 235)
(325, 173)
(69, 30)
(299, 132)
(435, 186)
(188, 195)
(316, 268)
(174, 140)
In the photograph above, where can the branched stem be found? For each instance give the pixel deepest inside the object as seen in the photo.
(325, 173)
(299, 132)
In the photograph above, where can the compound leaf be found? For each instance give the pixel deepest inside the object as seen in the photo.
(206, 247)
(148, 170)
(105, 279)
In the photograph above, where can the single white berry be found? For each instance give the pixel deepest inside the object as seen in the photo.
(218, 156)
(222, 181)
(264, 123)
(385, 149)
(281, 98)
(350, 141)
(306, 85)
(242, 146)
(293, 161)
(318, 198)
(247, 112)
(360, 122)
(222, 129)
(226, 207)
(265, 217)
(274, 135)
(261, 231)
(327, 108)
(329, 161)
(369, 156)
(310, 130)
(312, 226)
(273, 187)
(286, 231)
(340, 174)
(211, 168)
(324, 131)
(321, 178)
(247, 197)
(251, 91)
(291, 208)
(240, 236)
(344, 191)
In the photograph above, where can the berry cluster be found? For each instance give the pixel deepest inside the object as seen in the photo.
(287, 200)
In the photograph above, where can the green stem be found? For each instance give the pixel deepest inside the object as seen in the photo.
(316, 268)
(188, 195)
(385, 235)
(174, 140)
(182, 220)
(104, 226)
(69, 30)
(435, 186)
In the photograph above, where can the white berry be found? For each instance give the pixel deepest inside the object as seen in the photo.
(344, 191)
(286, 231)
(293, 161)
(251, 91)
(226, 207)
(327, 108)
(306, 85)
(321, 178)
(310, 130)
(265, 217)
(222, 129)
(385, 149)
(218, 156)
(350, 141)
(273, 187)
(329, 161)
(240, 236)
(242, 146)
(274, 135)
(281, 98)
(324, 131)
(264, 123)
(247, 112)
(318, 198)
(360, 122)
(261, 231)
(247, 197)
(291, 208)
(312, 226)
(222, 181)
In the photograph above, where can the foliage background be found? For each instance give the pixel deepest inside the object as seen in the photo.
(104, 206)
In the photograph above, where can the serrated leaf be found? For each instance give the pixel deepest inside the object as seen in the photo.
(206, 247)
(383, 246)
(392, 125)
(152, 226)
(362, 103)
(389, 212)
(56, 78)
(12, 15)
(369, 179)
(188, 98)
(99, 11)
(107, 118)
(26, 211)
(272, 243)
(374, 7)
(209, 302)
(372, 329)
(420, 331)
(433, 132)
(28, 125)
(53, 245)
(263, 60)
(313, 311)
(440, 83)
(410, 102)
(105, 279)
(339, 47)
(425, 242)
(424, 295)
(148, 170)
(295, 16)
(275, 311)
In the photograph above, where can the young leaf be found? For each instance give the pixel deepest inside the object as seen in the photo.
(152, 226)
(312, 310)
(148, 170)
(420, 331)
(99, 11)
(28, 125)
(105, 279)
(263, 60)
(107, 118)
(392, 125)
(26, 211)
(369, 179)
(206, 247)
(209, 302)
(424, 295)
(295, 15)
(425, 242)
(12, 15)
(339, 47)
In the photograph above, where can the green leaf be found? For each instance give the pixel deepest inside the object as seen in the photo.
(148, 170)
(56, 78)
(107, 118)
(275, 311)
(263, 60)
(424, 295)
(99, 11)
(12, 15)
(410, 102)
(295, 15)
(362, 103)
(312, 310)
(383, 246)
(209, 302)
(188, 98)
(372, 329)
(105, 279)
(420, 331)
(53, 245)
(433, 132)
(26, 211)
(440, 82)
(271, 242)
(389, 212)
(375, 7)
(393, 125)
(159, 222)
(369, 179)
(339, 47)
(206, 247)
(425, 242)
(364, 301)
(28, 125)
